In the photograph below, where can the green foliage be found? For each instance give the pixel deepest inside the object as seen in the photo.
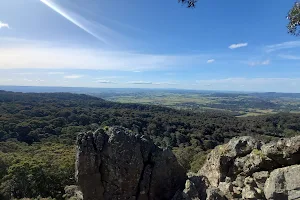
(294, 20)
(189, 3)
(259, 153)
(38, 131)
(42, 169)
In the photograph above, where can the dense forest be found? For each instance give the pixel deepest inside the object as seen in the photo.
(38, 130)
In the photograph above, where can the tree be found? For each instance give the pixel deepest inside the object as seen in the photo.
(189, 3)
(294, 18)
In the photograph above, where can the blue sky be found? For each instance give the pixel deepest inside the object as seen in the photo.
(219, 45)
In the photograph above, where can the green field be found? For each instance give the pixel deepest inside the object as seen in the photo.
(241, 105)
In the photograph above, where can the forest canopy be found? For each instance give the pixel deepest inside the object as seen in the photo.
(37, 134)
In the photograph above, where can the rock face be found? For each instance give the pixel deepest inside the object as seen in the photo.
(116, 165)
(248, 169)
(283, 183)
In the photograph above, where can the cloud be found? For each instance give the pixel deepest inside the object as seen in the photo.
(284, 45)
(103, 81)
(239, 45)
(210, 61)
(165, 83)
(289, 57)
(6, 80)
(136, 71)
(208, 85)
(152, 83)
(56, 58)
(24, 73)
(140, 82)
(56, 73)
(73, 76)
(251, 84)
(3, 25)
(257, 63)
(246, 81)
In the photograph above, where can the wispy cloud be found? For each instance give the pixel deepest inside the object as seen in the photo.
(58, 58)
(24, 73)
(5, 80)
(289, 57)
(152, 83)
(3, 25)
(165, 83)
(27, 80)
(239, 45)
(284, 45)
(56, 73)
(210, 61)
(137, 71)
(73, 76)
(256, 63)
(249, 82)
(108, 77)
(140, 82)
(104, 81)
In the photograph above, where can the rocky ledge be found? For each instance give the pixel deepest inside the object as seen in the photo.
(118, 165)
(245, 168)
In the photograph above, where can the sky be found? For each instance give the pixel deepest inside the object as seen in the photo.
(229, 45)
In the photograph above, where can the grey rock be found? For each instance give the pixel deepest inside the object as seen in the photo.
(72, 192)
(253, 162)
(215, 194)
(220, 160)
(196, 187)
(250, 192)
(283, 183)
(241, 146)
(260, 178)
(239, 181)
(117, 164)
(191, 191)
(226, 188)
(284, 152)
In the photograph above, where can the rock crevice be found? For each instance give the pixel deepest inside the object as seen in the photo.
(116, 164)
(245, 168)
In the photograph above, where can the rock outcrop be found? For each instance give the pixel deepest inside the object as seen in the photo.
(248, 169)
(117, 165)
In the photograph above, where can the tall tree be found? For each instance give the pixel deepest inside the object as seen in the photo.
(294, 20)
(189, 3)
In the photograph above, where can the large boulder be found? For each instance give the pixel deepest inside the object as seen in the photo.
(117, 164)
(241, 169)
(221, 159)
(284, 152)
(283, 184)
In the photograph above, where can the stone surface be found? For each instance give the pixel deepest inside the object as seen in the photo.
(72, 192)
(241, 169)
(260, 178)
(219, 161)
(283, 183)
(284, 152)
(117, 164)
(253, 162)
(215, 194)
